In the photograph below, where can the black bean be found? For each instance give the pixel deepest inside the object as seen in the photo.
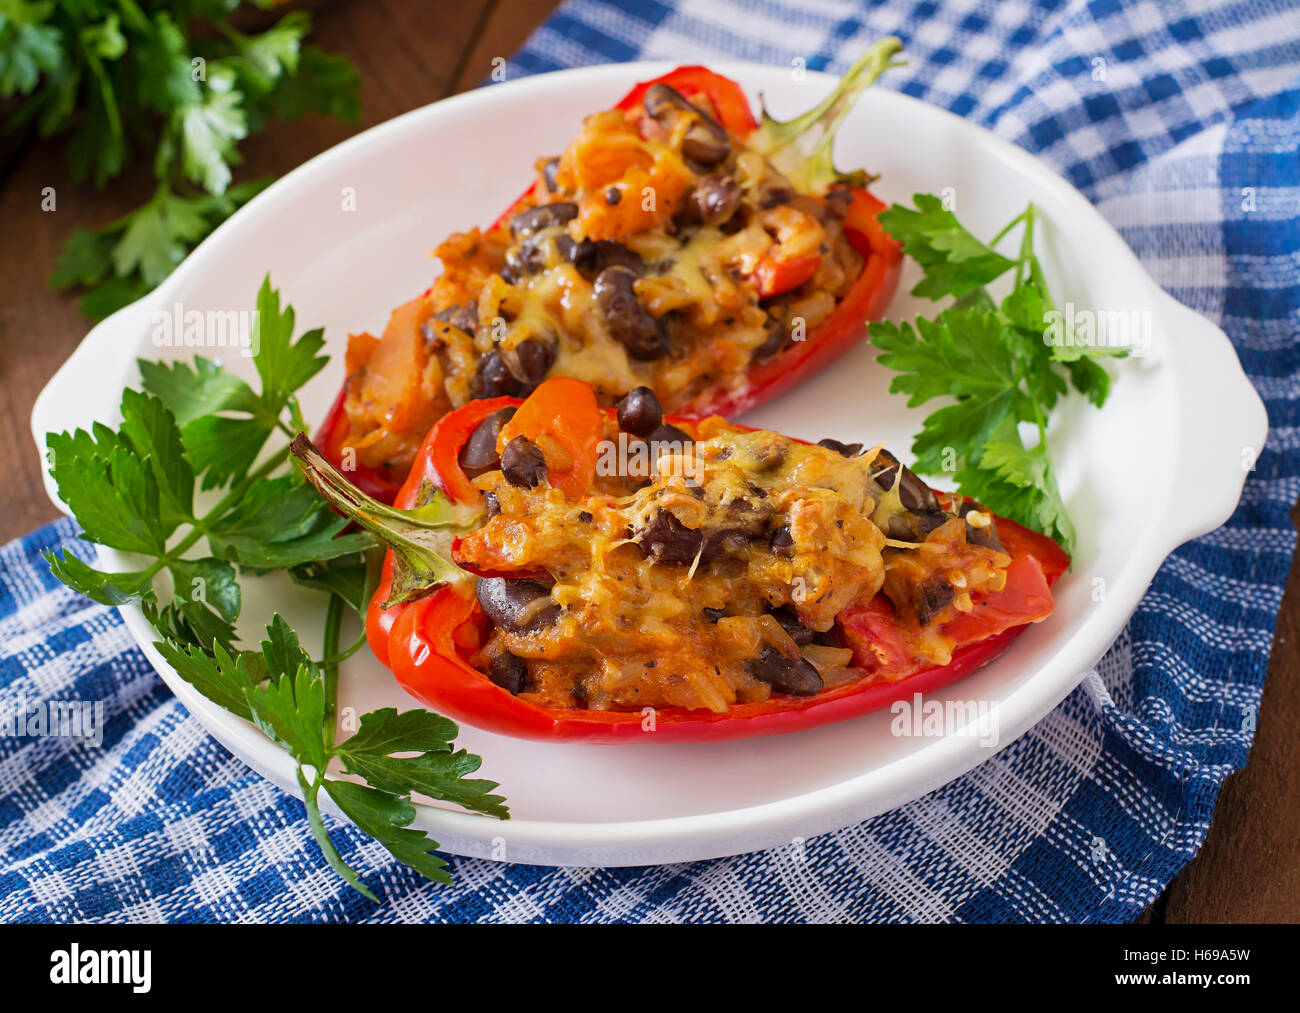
(714, 200)
(932, 597)
(465, 317)
(985, 536)
(479, 454)
(512, 604)
(535, 358)
(543, 216)
(777, 335)
(524, 259)
(509, 672)
(667, 540)
(913, 527)
(770, 455)
(775, 196)
(548, 174)
(523, 463)
(783, 541)
(493, 378)
(726, 542)
(786, 675)
(843, 449)
(639, 412)
(705, 142)
(611, 253)
(628, 321)
(793, 625)
(838, 199)
(670, 434)
(613, 195)
(915, 494)
(591, 257)
(826, 639)
(928, 520)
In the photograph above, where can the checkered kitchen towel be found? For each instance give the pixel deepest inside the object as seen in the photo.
(1190, 146)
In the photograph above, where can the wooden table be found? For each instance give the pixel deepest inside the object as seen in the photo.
(411, 52)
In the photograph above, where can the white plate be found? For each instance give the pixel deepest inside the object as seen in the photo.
(1161, 464)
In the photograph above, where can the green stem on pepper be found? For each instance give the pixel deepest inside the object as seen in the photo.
(801, 148)
(420, 538)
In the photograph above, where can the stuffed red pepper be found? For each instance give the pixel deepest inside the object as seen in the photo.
(676, 243)
(562, 571)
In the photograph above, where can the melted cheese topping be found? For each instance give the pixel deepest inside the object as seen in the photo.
(697, 282)
(635, 632)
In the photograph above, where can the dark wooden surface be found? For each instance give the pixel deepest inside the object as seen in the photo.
(411, 52)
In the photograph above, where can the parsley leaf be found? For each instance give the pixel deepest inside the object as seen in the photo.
(384, 816)
(962, 353)
(955, 262)
(324, 84)
(29, 47)
(291, 710)
(156, 238)
(437, 771)
(283, 364)
(205, 132)
(133, 489)
(1019, 483)
(173, 84)
(219, 675)
(105, 588)
(195, 389)
(1000, 363)
(151, 430)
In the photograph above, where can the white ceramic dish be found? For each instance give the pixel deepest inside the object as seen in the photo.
(1161, 464)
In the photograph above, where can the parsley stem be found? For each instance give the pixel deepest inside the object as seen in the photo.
(329, 663)
(347, 652)
(201, 525)
(1009, 226)
(1026, 245)
(310, 794)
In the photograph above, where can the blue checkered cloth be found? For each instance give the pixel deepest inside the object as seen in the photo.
(1187, 140)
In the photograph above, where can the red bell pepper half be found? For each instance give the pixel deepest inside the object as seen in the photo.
(787, 145)
(426, 641)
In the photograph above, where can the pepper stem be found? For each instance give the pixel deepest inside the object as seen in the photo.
(420, 539)
(801, 148)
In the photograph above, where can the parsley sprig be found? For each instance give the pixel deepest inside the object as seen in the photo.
(170, 81)
(197, 432)
(993, 359)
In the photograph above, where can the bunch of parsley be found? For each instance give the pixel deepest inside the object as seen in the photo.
(170, 80)
(993, 359)
(196, 431)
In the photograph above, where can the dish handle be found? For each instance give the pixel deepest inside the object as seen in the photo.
(1222, 426)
